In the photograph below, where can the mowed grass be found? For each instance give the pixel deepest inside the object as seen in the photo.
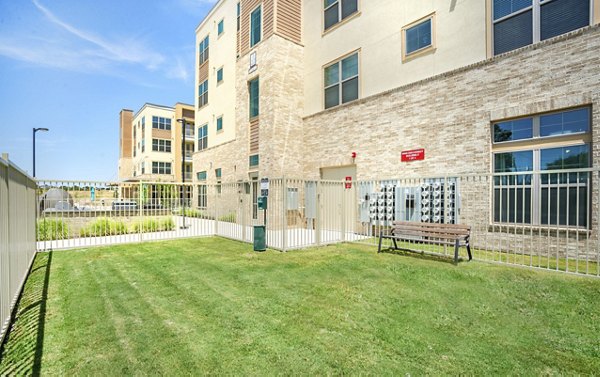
(212, 306)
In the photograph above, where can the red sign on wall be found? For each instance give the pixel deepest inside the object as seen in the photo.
(348, 182)
(413, 155)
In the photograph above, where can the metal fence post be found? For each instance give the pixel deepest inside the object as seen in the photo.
(284, 214)
(318, 219)
(342, 186)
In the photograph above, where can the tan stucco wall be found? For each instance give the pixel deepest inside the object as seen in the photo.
(222, 53)
(460, 40)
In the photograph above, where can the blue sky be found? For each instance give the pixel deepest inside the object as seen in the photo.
(72, 65)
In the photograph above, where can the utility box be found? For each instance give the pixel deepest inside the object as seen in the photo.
(262, 202)
(260, 241)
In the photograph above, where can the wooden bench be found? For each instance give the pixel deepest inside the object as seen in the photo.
(441, 234)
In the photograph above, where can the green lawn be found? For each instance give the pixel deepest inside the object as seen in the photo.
(212, 306)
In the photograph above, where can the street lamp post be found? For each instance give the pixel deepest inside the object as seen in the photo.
(34, 131)
(183, 124)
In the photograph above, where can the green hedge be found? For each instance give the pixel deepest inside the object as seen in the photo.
(229, 218)
(153, 225)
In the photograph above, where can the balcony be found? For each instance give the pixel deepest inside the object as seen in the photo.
(189, 134)
(187, 157)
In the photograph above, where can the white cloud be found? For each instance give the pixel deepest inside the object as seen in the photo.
(126, 50)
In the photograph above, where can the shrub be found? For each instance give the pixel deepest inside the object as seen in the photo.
(146, 225)
(154, 225)
(103, 226)
(51, 229)
(167, 224)
(229, 218)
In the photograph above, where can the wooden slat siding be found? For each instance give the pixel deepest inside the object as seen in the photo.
(202, 73)
(267, 23)
(161, 134)
(289, 20)
(254, 136)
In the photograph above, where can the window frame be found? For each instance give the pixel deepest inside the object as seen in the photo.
(219, 130)
(202, 139)
(341, 20)
(341, 81)
(260, 38)
(423, 50)
(162, 168)
(161, 123)
(161, 145)
(202, 196)
(203, 50)
(203, 96)
(536, 23)
(250, 116)
(220, 69)
(221, 27)
(538, 180)
(256, 157)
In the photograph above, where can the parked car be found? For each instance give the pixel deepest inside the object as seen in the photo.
(124, 205)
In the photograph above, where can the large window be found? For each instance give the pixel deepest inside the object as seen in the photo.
(201, 175)
(202, 196)
(161, 167)
(203, 137)
(341, 81)
(518, 23)
(255, 26)
(338, 10)
(253, 94)
(559, 194)
(161, 123)
(203, 48)
(203, 94)
(161, 145)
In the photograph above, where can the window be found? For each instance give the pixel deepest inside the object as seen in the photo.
(255, 26)
(201, 175)
(203, 137)
(418, 36)
(161, 145)
(239, 12)
(203, 94)
(143, 123)
(254, 160)
(143, 167)
(220, 28)
(161, 123)
(518, 23)
(220, 123)
(218, 173)
(202, 196)
(161, 167)
(338, 10)
(341, 81)
(219, 75)
(143, 145)
(545, 198)
(203, 48)
(253, 89)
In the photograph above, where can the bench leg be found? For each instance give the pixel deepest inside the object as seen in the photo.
(456, 246)
(395, 244)
(469, 251)
(380, 237)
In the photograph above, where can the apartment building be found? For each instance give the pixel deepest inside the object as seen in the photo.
(153, 145)
(346, 88)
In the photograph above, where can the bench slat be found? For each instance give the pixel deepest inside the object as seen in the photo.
(457, 232)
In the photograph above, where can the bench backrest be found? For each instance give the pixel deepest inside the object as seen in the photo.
(443, 231)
